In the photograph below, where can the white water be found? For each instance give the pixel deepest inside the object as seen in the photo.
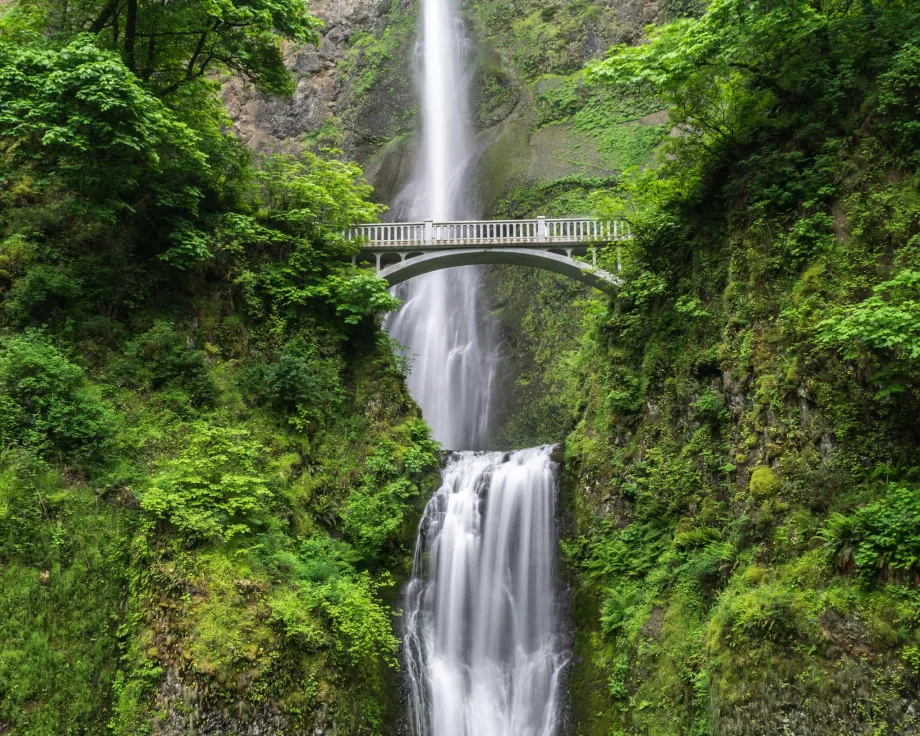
(481, 650)
(443, 324)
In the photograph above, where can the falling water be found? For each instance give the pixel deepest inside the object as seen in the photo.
(443, 324)
(481, 649)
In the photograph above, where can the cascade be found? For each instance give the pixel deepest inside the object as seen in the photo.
(443, 322)
(481, 649)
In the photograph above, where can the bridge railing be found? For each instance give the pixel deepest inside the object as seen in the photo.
(541, 230)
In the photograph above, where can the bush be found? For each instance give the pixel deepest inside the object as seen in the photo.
(375, 513)
(44, 295)
(58, 105)
(215, 489)
(302, 385)
(884, 534)
(883, 329)
(899, 100)
(348, 606)
(769, 611)
(46, 405)
(161, 358)
(329, 590)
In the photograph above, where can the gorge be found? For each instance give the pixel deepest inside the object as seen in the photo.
(249, 489)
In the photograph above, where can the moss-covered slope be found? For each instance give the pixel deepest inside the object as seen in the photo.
(742, 480)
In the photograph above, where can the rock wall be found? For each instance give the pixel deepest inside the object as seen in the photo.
(355, 91)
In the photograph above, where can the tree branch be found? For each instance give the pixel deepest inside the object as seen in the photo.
(100, 22)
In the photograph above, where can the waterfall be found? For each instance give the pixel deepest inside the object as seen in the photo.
(481, 650)
(443, 324)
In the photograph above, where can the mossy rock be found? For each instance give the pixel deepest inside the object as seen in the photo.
(764, 483)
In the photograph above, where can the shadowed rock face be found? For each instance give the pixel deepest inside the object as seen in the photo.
(365, 99)
(325, 87)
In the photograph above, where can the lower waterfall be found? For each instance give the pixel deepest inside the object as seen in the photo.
(481, 647)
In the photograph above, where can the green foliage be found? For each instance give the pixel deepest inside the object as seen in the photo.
(880, 536)
(898, 100)
(215, 489)
(376, 511)
(496, 95)
(360, 624)
(330, 595)
(47, 405)
(769, 612)
(610, 118)
(305, 206)
(80, 115)
(883, 329)
(370, 55)
(173, 45)
(64, 569)
(44, 295)
(161, 359)
(767, 296)
(543, 37)
(168, 501)
(302, 384)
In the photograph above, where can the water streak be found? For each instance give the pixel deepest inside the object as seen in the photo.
(443, 324)
(481, 650)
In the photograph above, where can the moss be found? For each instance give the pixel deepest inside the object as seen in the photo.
(764, 483)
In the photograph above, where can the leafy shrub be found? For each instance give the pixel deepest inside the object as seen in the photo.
(349, 607)
(161, 358)
(42, 295)
(882, 534)
(376, 511)
(620, 606)
(215, 489)
(58, 105)
(302, 384)
(46, 405)
(769, 612)
(330, 595)
(884, 326)
(374, 514)
(899, 99)
(305, 385)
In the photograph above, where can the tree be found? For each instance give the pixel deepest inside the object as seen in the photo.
(169, 43)
(79, 116)
(746, 66)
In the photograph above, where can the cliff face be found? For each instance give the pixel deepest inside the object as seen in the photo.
(356, 91)
(353, 91)
(741, 499)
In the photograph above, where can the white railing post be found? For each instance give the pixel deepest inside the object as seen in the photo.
(541, 229)
(429, 232)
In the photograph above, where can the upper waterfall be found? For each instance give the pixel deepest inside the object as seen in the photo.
(444, 323)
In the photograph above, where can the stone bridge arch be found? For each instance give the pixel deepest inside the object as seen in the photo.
(436, 260)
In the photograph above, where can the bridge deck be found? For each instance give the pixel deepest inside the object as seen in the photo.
(540, 232)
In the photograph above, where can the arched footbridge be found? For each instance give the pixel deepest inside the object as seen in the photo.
(401, 250)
